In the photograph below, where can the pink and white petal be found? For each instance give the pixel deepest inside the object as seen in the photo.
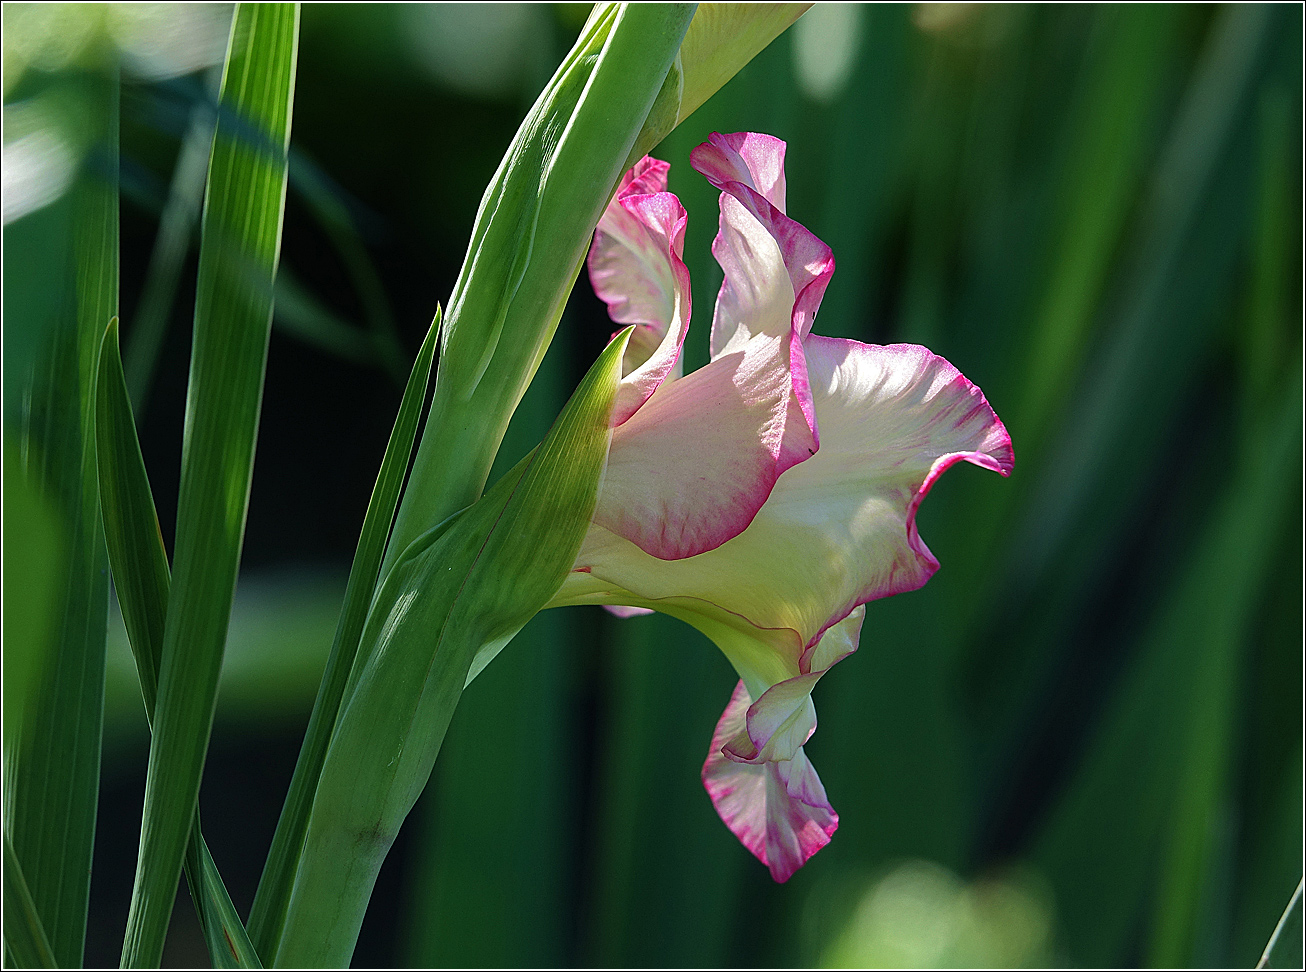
(636, 267)
(737, 790)
(839, 529)
(664, 220)
(646, 175)
(754, 159)
(778, 810)
(800, 820)
(776, 273)
(757, 295)
(749, 168)
(624, 611)
(626, 268)
(834, 644)
(784, 718)
(690, 468)
(761, 657)
(778, 723)
(756, 242)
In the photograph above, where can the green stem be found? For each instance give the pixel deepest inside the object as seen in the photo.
(1264, 962)
(531, 235)
(268, 913)
(453, 600)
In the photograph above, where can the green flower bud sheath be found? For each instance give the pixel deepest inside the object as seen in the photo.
(531, 234)
(455, 596)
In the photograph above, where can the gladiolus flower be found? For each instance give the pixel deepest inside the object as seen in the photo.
(766, 497)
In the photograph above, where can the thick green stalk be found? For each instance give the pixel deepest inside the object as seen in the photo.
(454, 598)
(268, 913)
(531, 235)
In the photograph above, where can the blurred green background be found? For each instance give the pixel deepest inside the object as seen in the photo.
(1079, 744)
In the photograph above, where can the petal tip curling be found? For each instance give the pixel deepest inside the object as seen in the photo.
(913, 415)
(646, 175)
(635, 267)
(778, 810)
(749, 158)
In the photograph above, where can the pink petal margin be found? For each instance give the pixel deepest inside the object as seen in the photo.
(663, 220)
(646, 175)
(747, 173)
(783, 719)
(691, 468)
(778, 810)
(625, 611)
(636, 267)
(749, 168)
(752, 158)
(971, 417)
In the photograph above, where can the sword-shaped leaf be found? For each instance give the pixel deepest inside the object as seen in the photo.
(52, 767)
(239, 251)
(454, 598)
(140, 573)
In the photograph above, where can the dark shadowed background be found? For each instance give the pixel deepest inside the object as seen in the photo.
(1080, 743)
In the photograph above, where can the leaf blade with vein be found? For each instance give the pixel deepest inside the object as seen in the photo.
(24, 935)
(239, 251)
(454, 598)
(140, 573)
(53, 770)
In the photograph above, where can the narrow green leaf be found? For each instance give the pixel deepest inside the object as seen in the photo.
(229, 945)
(176, 225)
(140, 573)
(24, 936)
(1271, 947)
(455, 597)
(491, 873)
(131, 523)
(239, 251)
(52, 791)
(270, 902)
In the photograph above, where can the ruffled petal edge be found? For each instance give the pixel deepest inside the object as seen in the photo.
(778, 810)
